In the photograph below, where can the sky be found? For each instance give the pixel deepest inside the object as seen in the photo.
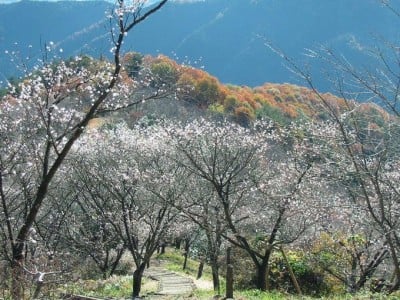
(240, 57)
(11, 1)
(150, 1)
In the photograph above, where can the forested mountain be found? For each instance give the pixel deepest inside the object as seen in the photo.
(225, 36)
(201, 94)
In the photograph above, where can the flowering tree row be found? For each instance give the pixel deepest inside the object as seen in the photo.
(257, 189)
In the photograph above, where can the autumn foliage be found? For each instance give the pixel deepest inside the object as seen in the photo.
(281, 103)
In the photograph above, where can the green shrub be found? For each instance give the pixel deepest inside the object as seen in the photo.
(311, 281)
(274, 113)
(164, 73)
(230, 103)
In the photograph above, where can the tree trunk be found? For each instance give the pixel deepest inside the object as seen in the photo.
(137, 280)
(177, 243)
(215, 272)
(17, 281)
(200, 269)
(229, 275)
(261, 279)
(371, 268)
(215, 277)
(186, 254)
(162, 247)
(291, 273)
(17, 274)
(39, 286)
(105, 274)
(396, 264)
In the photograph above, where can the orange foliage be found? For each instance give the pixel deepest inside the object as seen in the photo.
(205, 89)
(242, 102)
(244, 115)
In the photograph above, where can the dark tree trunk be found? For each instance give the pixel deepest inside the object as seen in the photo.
(162, 247)
(17, 274)
(200, 269)
(396, 272)
(186, 254)
(17, 281)
(215, 277)
(369, 270)
(105, 274)
(137, 280)
(261, 279)
(215, 274)
(177, 243)
(229, 275)
(395, 286)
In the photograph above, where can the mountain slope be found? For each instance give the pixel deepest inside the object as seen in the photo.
(194, 92)
(200, 93)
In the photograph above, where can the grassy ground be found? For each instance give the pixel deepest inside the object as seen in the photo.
(120, 287)
(173, 260)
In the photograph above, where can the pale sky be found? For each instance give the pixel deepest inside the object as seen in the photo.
(11, 1)
(150, 1)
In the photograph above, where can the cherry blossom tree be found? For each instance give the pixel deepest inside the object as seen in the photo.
(92, 239)
(125, 180)
(367, 156)
(43, 118)
(201, 207)
(364, 148)
(250, 183)
(207, 171)
(365, 163)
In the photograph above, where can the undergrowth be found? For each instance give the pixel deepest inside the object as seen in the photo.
(116, 287)
(120, 287)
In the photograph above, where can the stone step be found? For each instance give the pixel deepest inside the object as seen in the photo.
(170, 283)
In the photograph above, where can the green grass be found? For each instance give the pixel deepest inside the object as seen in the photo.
(119, 287)
(258, 295)
(173, 261)
(115, 286)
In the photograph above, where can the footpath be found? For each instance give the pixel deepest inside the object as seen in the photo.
(170, 285)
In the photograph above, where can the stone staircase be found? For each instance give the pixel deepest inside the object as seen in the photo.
(170, 283)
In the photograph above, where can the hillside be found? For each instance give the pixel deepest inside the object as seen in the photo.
(194, 92)
(201, 93)
(191, 32)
